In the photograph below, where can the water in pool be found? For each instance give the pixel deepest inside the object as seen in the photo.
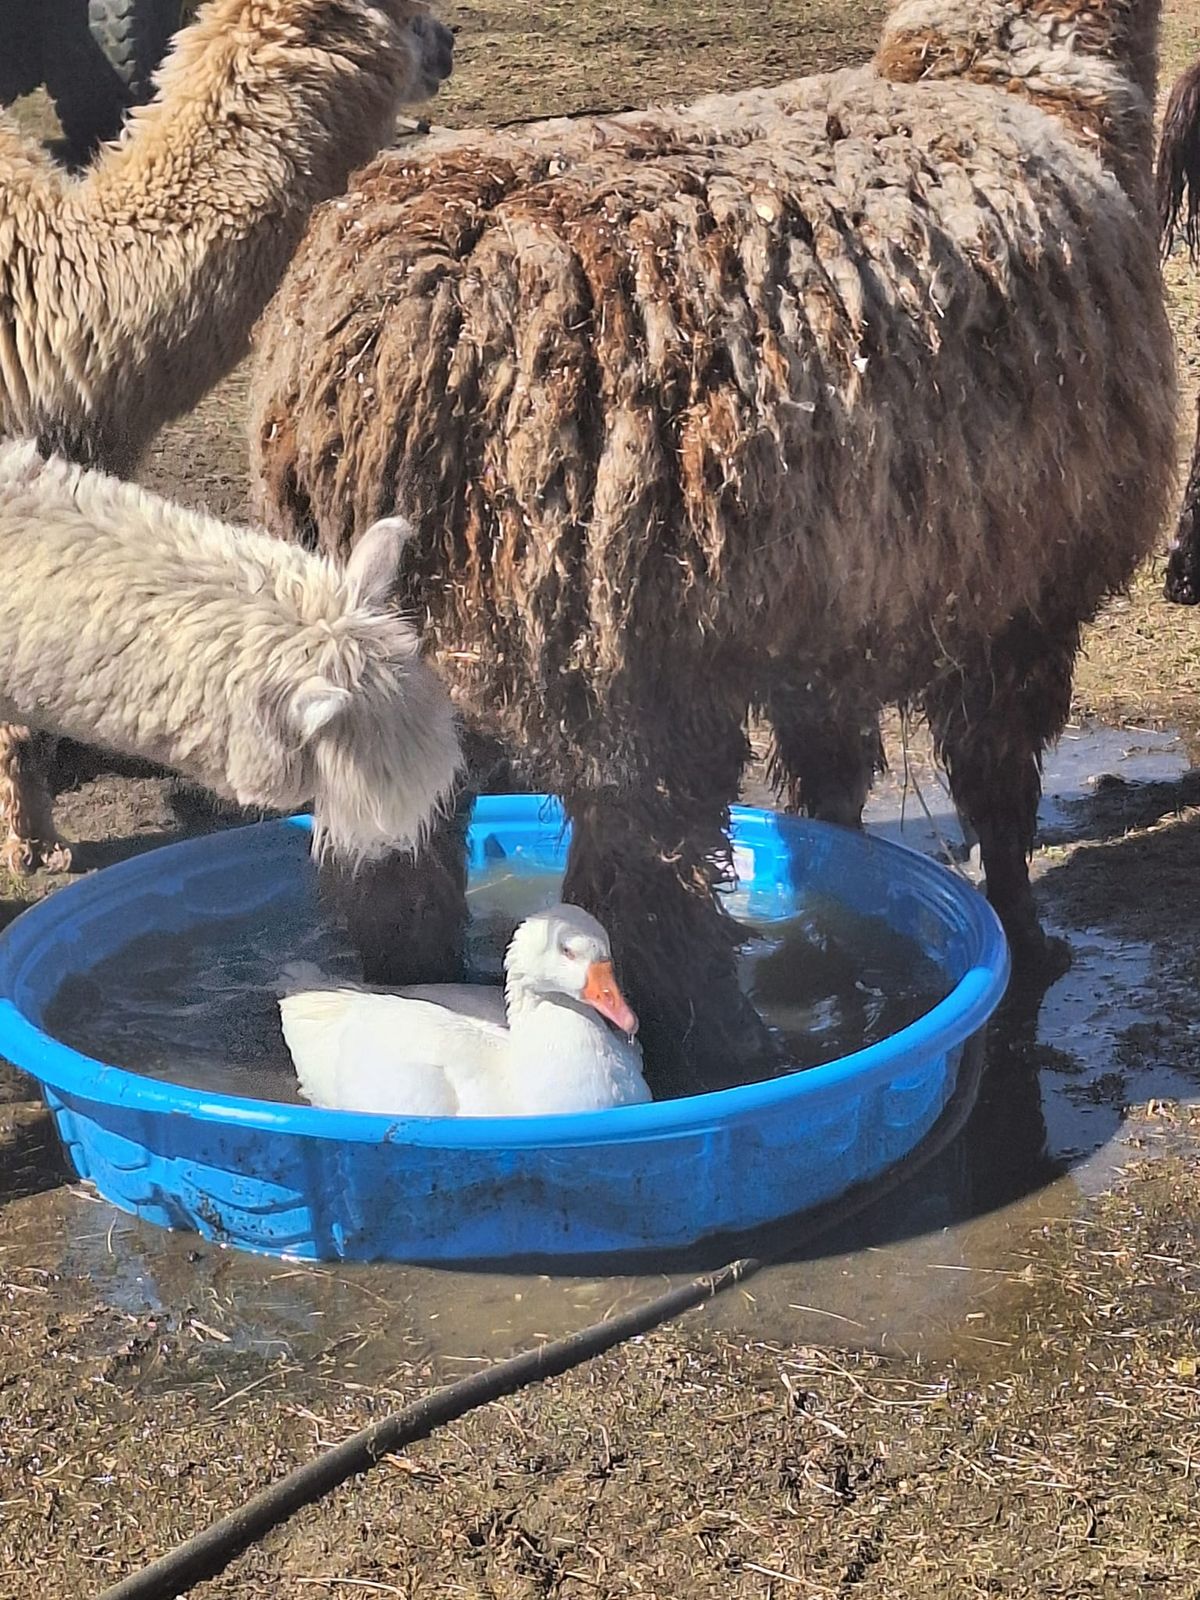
(201, 1011)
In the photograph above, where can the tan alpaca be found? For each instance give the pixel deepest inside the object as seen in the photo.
(264, 673)
(126, 292)
(853, 391)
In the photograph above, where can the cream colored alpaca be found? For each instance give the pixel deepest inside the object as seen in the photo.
(128, 291)
(264, 673)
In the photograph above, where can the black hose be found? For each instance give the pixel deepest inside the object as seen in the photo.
(204, 1555)
(210, 1551)
(569, 116)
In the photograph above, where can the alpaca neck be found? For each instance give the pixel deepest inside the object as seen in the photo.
(1093, 64)
(1135, 45)
(169, 246)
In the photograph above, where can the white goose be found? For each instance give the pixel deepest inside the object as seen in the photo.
(560, 1037)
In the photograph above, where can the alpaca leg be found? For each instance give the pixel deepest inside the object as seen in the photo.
(496, 768)
(26, 804)
(648, 850)
(992, 722)
(407, 915)
(1183, 568)
(822, 764)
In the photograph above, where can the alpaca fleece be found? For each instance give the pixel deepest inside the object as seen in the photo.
(128, 291)
(1179, 215)
(852, 391)
(265, 673)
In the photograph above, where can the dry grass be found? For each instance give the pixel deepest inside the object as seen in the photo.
(1064, 1463)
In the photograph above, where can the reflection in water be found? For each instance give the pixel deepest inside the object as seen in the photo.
(200, 1009)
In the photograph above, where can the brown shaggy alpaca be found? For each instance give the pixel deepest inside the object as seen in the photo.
(854, 391)
(128, 291)
(1179, 184)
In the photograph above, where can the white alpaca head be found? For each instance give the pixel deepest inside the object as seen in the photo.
(353, 719)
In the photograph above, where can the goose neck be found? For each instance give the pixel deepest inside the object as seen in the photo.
(524, 1004)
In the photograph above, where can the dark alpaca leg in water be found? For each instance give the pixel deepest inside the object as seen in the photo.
(498, 770)
(1183, 568)
(649, 848)
(407, 915)
(821, 764)
(992, 721)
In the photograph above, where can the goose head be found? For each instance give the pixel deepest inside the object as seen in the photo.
(564, 952)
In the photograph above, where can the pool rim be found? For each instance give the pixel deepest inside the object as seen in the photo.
(946, 1026)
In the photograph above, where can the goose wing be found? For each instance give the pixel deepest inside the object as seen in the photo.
(485, 1002)
(480, 1000)
(357, 1051)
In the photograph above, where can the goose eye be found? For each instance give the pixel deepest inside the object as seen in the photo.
(568, 952)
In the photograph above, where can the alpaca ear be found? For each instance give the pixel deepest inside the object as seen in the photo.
(373, 570)
(315, 705)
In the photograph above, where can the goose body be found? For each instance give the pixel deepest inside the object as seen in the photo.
(558, 1038)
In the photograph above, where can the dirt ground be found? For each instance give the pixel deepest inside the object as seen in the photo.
(843, 1429)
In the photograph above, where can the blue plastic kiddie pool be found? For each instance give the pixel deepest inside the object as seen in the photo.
(319, 1185)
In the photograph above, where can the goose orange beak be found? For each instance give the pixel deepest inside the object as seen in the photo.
(601, 991)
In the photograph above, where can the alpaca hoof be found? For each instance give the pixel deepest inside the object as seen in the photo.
(18, 857)
(1181, 589)
(1038, 957)
(22, 857)
(56, 856)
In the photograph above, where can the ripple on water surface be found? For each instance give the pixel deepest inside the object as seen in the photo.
(200, 1009)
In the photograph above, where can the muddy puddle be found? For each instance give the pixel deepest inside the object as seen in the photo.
(919, 812)
(935, 1265)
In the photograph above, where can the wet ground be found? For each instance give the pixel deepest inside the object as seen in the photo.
(1047, 1130)
(985, 1384)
